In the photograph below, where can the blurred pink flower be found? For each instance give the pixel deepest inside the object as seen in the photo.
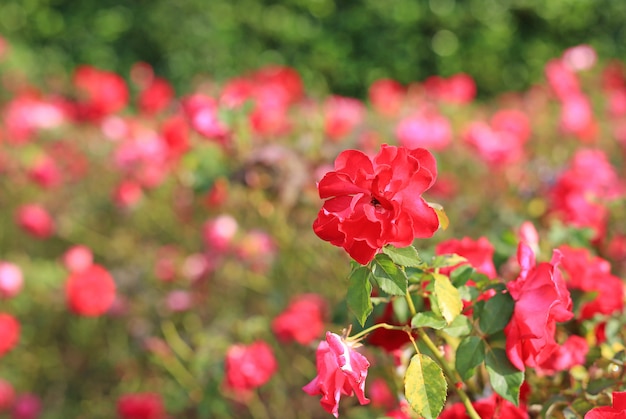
(580, 57)
(381, 395)
(28, 113)
(26, 406)
(387, 96)
(427, 129)
(179, 300)
(458, 89)
(202, 113)
(219, 233)
(45, 172)
(11, 279)
(341, 116)
(78, 258)
(127, 194)
(340, 371)
(35, 220)
(90, 292)
(248, 367)
(562, 79)
(302, 320)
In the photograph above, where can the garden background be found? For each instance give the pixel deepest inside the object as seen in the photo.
(178, 145)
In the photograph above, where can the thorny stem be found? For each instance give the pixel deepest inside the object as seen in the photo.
(450, 374)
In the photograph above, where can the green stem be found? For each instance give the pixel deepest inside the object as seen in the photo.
(449, 372)
(374, 327)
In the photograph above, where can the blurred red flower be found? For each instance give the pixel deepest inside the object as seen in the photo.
(101, 92)
(371, 202)
(387, 96)
(479, 253)
(9, 333)
(541, 300)
(35, 220)
(341, 116)
(90, 292)
(140, 406)
(7, 395)
(302, 320)
(156, 96)
(492, 407)
(248, 367)
(340, 371)
(617, 411)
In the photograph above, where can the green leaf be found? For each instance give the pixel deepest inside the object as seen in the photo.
(389, 276)
(469, 354)
(448, 297)
(404, 256)
(496, 313)
(505, 379)
(461, 275)
(428, 319)
(461, 326)
(359, 294)
(596, 386)
(425, 387)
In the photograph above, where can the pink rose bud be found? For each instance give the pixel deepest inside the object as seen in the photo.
(11, 280)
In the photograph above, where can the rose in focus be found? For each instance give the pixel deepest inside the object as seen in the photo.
(372, 202)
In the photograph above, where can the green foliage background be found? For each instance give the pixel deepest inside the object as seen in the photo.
(337, 45)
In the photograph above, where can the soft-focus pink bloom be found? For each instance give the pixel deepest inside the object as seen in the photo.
(341, 116)
(582, 190)
(156, 96)
(140, 406)
(381, 395)
(459, 88)
(492, 407)
(372, 202)
(479, 253)
(179, 300)
(527, 233)
(269, 118)
(513, 121)
(340, 371)
(7, 395)
(403, 411)
(387, 96)
(35, 220)
(127, 194)
(429, 130)
(45, 172)
(77, 258)
(9, 333)
(26, 406)
(571, 353)
(202, 112)
(302, 321)
(11, 279)
(541, 300)
(284, 83)
(28, 113)
(101, 92)
(593, 275)
(617, 411)
(562, 79)
(580, 57)
(248, 367)
(577, 116)
(616, 102)
(195, 266)
(236, 92)
(90, 292)
(256, 249)
(219, 233)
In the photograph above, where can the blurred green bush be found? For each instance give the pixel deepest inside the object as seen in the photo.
(341, 46)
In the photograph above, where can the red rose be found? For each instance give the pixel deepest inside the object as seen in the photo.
(102, 92)
(541, 299)
(9, 333)
(302, 321)
(618, 411)
(340, 371)
(479, 253)
(91, 291)
(593, 274)
(371, 202)
(249, 367)
(140, 406)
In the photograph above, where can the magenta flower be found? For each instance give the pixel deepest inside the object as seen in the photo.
(340, 371)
